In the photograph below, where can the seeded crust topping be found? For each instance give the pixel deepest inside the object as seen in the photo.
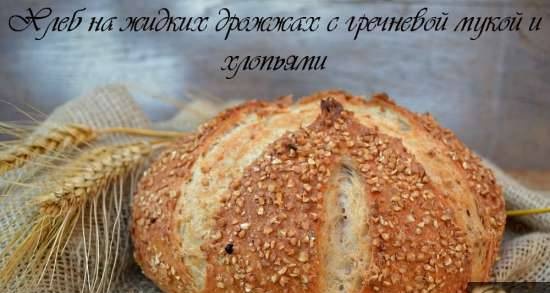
(266, 232)
(480, 179)
(271, 216)
(151, 214)
(482, 182)
(154, 233)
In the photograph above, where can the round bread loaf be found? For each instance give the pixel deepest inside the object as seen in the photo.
(332, 193)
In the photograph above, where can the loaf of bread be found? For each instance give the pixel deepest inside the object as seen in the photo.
(333, 193)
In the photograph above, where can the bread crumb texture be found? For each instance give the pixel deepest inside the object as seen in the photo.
(333, 193)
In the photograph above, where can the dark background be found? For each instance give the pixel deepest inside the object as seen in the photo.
(493, 92)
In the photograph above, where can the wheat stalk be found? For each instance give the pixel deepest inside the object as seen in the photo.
(528, 212)
(84, 180)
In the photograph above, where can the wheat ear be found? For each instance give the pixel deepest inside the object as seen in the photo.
(84, 180)
(97, 169)
(72, 135)
(56, 139)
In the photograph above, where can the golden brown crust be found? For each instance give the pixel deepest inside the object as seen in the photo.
(486, 201)
(266, 236)
(488, 195)
(154, 230)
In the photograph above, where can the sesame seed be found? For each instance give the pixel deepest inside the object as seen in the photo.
(303, 256)
(217, 235)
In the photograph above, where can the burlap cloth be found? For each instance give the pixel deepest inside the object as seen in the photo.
(525, 254)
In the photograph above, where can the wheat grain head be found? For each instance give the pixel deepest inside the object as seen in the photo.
(91, 177)
(56, 139)
(94, 170)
